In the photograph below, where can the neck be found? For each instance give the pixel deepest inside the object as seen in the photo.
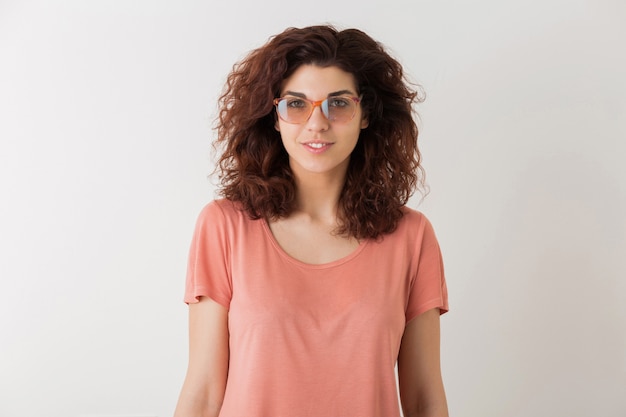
(318, 195)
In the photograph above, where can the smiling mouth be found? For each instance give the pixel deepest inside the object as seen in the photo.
(317, 145)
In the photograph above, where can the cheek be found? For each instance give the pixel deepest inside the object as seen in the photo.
(288, 132)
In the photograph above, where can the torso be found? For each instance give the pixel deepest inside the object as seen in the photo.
(308, 338)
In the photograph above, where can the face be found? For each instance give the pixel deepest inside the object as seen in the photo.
(320, 146)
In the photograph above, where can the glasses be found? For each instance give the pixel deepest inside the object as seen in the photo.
(340, 109)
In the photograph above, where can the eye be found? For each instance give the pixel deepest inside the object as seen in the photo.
(338, 102)
(295, 103)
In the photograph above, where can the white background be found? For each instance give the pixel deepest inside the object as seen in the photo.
(106, 110)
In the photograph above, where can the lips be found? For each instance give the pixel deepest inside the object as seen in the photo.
(316, 146)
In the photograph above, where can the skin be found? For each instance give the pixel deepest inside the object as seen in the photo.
(419, 372)
(317, 83)
(308, 235)
(203, 390)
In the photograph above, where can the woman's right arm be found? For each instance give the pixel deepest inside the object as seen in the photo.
(203, 390)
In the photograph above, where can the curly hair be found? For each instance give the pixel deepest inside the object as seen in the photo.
(384, 168)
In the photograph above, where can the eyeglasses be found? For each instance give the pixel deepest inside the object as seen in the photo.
(340, 109)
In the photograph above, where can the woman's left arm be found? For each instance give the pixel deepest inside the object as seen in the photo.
(419, 369)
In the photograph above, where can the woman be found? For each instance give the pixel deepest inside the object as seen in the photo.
(310, 279)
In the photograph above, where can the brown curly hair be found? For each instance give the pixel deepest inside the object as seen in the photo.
(384, 168)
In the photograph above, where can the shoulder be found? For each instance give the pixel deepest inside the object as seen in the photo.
(220, 216)
(226, 217)
(412, 214)
(413, 219)
(413, 228)
(221, 210)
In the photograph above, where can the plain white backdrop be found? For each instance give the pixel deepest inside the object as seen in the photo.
(106, 110)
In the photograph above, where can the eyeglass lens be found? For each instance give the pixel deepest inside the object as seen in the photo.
(298, 110)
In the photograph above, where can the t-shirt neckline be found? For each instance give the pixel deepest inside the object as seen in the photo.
(270, 236)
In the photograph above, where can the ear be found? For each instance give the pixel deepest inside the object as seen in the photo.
(277, 125)
(364, 122)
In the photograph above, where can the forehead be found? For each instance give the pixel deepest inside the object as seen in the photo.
(318, 82)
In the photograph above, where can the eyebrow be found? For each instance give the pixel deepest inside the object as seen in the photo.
(333, 94)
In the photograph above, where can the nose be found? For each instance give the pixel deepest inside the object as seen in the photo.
(317, 121)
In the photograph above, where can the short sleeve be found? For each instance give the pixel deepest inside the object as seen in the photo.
(208, 268)
(428, 287)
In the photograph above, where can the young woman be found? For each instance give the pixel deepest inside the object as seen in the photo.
(310, 280)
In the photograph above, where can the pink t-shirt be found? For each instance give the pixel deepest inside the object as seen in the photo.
(313, 340)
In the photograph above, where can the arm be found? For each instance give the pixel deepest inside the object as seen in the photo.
(203, 390)
(419, 371)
